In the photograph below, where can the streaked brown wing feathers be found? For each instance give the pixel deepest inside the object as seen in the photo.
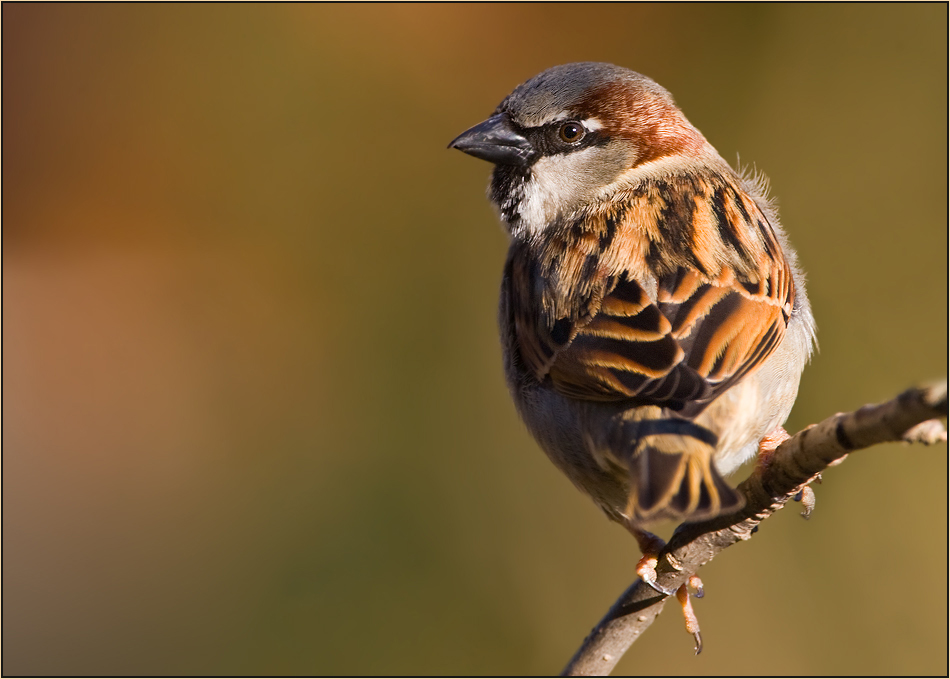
(719, 332)
(598, 334)
(625, 351)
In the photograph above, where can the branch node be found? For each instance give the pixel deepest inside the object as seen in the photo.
(928, 432)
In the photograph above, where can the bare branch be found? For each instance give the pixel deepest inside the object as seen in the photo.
(911, 417)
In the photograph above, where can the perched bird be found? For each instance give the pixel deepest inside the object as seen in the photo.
(653, 318)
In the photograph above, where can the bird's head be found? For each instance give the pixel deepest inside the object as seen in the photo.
(576, 135)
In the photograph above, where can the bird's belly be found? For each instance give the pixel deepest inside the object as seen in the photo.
(563, 430)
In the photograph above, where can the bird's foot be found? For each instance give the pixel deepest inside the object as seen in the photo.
(767, 448)
(769, 444)
(651, 545)
(807, 497)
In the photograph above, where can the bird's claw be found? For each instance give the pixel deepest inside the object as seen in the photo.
(807, 497)
(646, 569)
(699, 642)
(697, 586)
(692, 623)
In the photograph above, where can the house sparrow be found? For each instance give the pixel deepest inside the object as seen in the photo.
(653, 317)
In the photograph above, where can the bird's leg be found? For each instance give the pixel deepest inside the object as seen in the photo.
(651, 545)
(692, 623)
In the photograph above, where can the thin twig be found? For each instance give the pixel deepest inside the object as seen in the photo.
(910, 417)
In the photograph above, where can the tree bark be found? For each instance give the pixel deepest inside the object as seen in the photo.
(911, 417)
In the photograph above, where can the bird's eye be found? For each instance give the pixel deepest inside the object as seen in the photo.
(571, 132)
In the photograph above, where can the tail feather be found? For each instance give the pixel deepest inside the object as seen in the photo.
(678, 485)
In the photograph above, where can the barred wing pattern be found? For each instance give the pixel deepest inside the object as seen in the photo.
(700, 331)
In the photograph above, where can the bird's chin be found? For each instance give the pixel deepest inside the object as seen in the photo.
(507, 191)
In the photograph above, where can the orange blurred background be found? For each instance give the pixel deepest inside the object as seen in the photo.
(254, 418)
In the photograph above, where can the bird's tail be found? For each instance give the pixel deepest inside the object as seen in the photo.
(673, 475)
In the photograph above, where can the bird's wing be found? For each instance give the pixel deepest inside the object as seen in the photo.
(691, 340)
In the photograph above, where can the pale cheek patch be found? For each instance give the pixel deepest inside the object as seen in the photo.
(557, 185)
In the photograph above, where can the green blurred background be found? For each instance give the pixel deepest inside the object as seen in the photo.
(254, 420)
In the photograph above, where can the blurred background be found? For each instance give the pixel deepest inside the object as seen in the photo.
(254, 418)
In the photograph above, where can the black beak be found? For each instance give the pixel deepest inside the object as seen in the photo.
(496, 141)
